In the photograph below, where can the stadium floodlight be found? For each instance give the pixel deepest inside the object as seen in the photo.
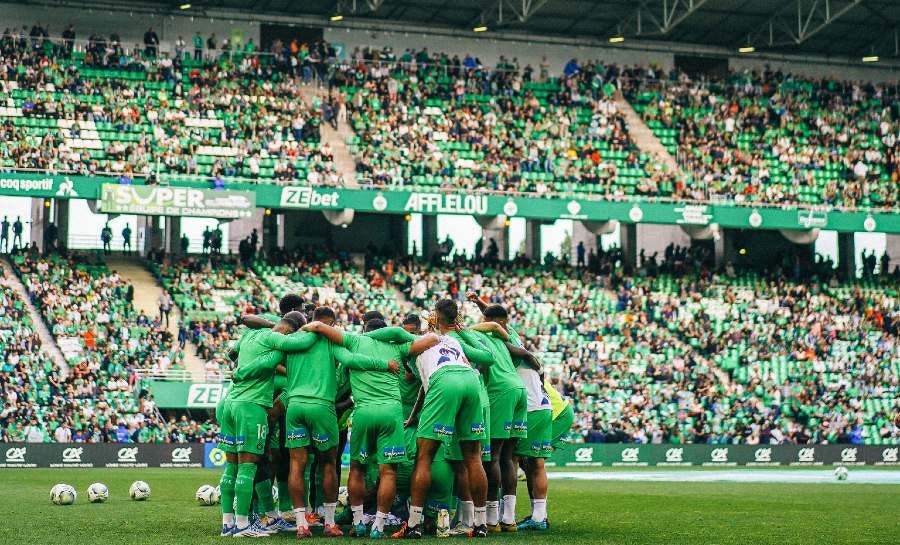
(746, 49)
(336, 18)
(183, 7)
(871, 58)
(480, 28)
(616, 39)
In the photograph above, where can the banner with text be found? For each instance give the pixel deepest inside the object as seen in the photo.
(75, 455)
(625, 455)
(195, 198)
(187, 395)
(176, 201)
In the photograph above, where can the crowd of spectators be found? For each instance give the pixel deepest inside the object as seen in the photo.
(774, 137)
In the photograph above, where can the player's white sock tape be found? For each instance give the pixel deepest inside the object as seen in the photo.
(228, 519)
(379, 521)
(357, 511)
(539, 510)
(493, 512)
(467, 512)
(242, 521)
(509, 509)
(415, 515)
(300, 515)
(329, 512)
(480, 516)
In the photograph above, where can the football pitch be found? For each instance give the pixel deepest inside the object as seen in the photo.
(605, 511)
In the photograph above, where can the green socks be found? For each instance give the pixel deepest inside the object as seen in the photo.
(243, 488)
(226, 487)
(264, 493)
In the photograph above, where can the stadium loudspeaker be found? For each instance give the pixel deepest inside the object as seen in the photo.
(601, 227)
(702, 232)
(800, 237)
(341, 218)
(491, 223)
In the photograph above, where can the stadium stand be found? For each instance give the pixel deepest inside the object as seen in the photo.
(775, 137)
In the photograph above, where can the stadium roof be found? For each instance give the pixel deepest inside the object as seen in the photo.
(842, 28)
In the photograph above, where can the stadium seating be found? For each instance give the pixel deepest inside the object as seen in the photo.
(89, 311)
(188, 120)
(777, 138)
(430, 125)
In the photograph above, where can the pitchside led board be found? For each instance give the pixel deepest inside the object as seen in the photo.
(152, 200)
(182, 455)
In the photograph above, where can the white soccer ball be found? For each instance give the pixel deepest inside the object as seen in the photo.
(139, 491)
(98, 493)
(63, 494)
(206, 495)
(841, 473)
(343, 498)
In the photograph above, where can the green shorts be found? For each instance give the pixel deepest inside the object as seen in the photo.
(509, 414)
(562, 424)
(243, 426)
(454, 453)
(377, 434)
(540, 430)
(452, 407)
(311, 422)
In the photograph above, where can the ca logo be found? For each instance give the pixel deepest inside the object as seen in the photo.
(630, 455)
(584, 454)
(719, 455)
(674, 454)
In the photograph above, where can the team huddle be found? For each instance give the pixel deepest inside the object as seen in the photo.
(438, 421)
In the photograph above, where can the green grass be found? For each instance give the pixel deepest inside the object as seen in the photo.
(605, 512)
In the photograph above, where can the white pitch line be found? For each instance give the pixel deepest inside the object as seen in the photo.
(858, 476)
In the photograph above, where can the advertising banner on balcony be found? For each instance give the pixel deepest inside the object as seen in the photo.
(176, 201)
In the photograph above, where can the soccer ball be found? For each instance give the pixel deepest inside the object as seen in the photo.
(275, 493)
(63, 494)
(841, 473)
(98, 493)
(53, 491)
(139, 491)
(343, 498)
(206, 495)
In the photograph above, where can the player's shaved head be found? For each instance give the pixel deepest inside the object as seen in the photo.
(290, 302)
(294, 320)
(375, 323)
(372, 315)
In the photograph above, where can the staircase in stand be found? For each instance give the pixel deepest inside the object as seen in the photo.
(644, 138)
(337, 139)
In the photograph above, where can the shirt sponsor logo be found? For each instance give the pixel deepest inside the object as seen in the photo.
(307, 197)
(321, 438)
(437, 203)
(478, 428)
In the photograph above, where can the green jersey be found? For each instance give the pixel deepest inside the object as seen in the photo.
(375, 388)
(503, 375)
(313, 374)
(259, 352)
